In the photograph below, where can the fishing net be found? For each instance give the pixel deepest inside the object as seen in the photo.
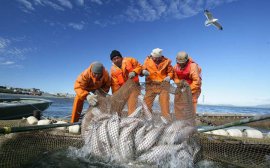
(148, 137)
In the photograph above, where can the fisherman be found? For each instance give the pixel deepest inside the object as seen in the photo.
(93, 78)
(122, 70)
(188, 70)
(158, 72)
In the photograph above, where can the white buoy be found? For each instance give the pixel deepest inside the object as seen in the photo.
(253, 133)
(234, 132)
(61, 122)
(44, 122)
(32, 120)
(208, 132)
(74, 129)
(268, 135)
(220, 132)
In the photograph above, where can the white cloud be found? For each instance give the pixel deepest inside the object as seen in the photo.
(147, 10)
(97, 1)
(128, 10)
(7, 63)
(4, 43)
(53, 5)
(10, 53)
(58, 5)
(77, 26)
(65, 3)
(28, 5)
(80, 2)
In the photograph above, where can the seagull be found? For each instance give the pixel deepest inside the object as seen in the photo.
(210, 20)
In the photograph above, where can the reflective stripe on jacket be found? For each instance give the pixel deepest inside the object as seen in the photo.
(120, 75)
(158, 72)
(86, 83)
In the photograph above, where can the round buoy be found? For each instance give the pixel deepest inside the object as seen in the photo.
(60, 128)
(253, 133)
(234, 132)
(220, 132)
(74, 129)
(32, 120)
(44, 122)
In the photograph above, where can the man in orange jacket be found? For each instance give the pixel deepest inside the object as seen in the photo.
(122, 70)
(186, 69)
(158, 71)
(93, 78)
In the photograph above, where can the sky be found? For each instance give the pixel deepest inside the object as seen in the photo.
(46, 44)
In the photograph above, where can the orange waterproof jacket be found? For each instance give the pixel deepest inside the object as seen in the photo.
(191, 73)
(86, 83)
(120, 75)
(158, 72)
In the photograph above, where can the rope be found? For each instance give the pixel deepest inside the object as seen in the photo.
(7, 130)
(240, 122)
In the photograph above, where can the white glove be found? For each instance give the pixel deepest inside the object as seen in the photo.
(131, 75)
(145, 73)
(92, 99)
(167, 79)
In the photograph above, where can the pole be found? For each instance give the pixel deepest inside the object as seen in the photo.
(240, 122)
(7, 130)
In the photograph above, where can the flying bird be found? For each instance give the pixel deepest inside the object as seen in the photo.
(211, 20)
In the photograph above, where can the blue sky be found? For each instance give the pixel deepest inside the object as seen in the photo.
(46, 44)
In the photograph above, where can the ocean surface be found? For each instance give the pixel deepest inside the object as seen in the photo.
(62, 107)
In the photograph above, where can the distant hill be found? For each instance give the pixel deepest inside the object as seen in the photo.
(263, 106)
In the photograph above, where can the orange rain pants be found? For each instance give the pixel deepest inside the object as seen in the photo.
(154, 89)
(195, 97)
(132, 101)
(77, 109)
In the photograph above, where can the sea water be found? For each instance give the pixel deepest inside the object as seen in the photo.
(62, 107)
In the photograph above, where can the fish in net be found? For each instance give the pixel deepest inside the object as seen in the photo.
(142, 136)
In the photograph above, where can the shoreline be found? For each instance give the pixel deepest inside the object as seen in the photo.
(36, 96)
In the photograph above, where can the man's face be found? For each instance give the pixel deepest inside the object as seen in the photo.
(97, 75)
(157, 60)
(117, 61)
(181, 64)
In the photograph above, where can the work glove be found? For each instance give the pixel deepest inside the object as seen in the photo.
(92, 99)
(167, 79)
(131, 75)
(145, 73)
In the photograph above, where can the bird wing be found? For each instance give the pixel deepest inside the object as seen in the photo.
(208, 15)
(218, 25)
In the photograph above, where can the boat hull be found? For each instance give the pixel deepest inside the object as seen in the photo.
(21, 107)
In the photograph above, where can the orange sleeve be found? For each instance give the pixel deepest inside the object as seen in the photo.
(138, 66)
(81, 84)
(195, 76)
(175, 77)
(114, 81)
(170, 69)
(145, 64)
(107, 82)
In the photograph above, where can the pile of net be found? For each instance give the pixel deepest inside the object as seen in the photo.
(111, 138)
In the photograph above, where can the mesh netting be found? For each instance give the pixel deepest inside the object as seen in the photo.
(145, 137)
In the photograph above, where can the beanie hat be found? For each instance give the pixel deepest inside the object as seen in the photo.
(97, 67)
(157, 52)
(181, 57)
(115, 53)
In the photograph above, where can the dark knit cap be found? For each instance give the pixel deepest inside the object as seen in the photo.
(115, 53)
